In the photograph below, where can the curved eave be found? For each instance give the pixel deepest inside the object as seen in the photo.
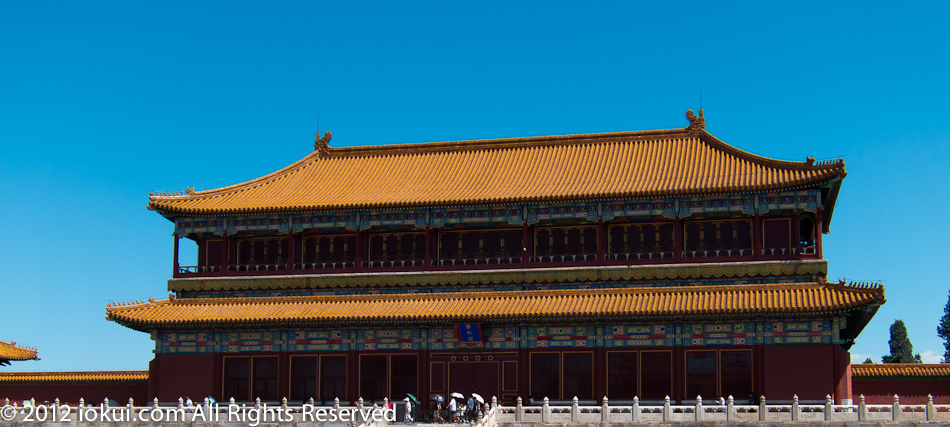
(707, 301)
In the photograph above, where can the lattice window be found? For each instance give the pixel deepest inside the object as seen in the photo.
(736, 373)
(718, 235)
(303, 377)
(405, 375)
(656, 370)
(545, 375)
(265, 378)
(262, 251)
(328, 248)
(373, 377)
(480, 244)
(237, 378)
(332, 377)
(640, 238)
(701, 374)
(777, 233)
(578, 375)
(579, 240)
(622, 375)
(397, 246)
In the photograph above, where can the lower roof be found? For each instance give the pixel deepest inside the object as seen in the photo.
(628, 304)
(72, 377)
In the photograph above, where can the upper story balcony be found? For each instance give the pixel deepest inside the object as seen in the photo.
(598, 244)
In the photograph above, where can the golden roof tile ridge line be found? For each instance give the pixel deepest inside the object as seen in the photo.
(808, 165)
(496, 143)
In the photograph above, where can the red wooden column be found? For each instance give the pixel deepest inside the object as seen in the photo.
(677, 239)
(225, 250)
(757, 236)
(525, 236)
(818, 227)
(427, 259)
(175, 261)
(358, 259)
(601, 241)
(290, 250)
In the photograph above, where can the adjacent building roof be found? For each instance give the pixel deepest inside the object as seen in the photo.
(921, 371)
(71, 377)
(626, 303)
(657, 163)
(10, 351)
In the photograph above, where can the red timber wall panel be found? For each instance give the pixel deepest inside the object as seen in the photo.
(911, 391)
(184, 376)
(842, 375)
(805, 370)
(154, 375)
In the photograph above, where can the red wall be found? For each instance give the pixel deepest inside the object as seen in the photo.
(911, 391)
(180, 375)
(71, 393)
(806, 370)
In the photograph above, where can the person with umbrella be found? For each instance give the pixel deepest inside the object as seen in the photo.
(437, 416)
(408, 418)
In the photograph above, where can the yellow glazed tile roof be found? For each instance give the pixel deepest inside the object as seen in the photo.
(73, 377)
(10, 351)
(448, 307)
(625, 164)
(900, 370)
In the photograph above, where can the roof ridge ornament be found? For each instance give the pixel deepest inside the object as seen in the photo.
(696, 123)
(322, 144)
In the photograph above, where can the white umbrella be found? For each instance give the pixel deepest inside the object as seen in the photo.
(458, 395)
(478, 397)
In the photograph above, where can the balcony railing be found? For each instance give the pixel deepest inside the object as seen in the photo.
(501, 261)
(400, 263)
(329, 265)
(640, 256)
(467, 262)
(563, 258)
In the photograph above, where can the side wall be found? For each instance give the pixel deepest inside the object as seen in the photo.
(911, 390)
(71, 393)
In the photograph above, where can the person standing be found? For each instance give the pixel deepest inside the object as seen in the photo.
(408, 417)
(452, 408)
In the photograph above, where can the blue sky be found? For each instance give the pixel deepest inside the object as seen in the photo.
(102, 102)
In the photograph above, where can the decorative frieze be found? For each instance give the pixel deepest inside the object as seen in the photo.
(790, 332)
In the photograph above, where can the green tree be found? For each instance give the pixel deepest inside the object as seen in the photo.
(868, 360)
(943, 331)
(902, 351)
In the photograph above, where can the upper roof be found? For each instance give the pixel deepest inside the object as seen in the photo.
(73, 377)
(10, 351)
(656, 163)
(901, 370)
(626, 303)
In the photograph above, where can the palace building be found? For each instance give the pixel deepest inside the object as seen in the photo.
(648, 263)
